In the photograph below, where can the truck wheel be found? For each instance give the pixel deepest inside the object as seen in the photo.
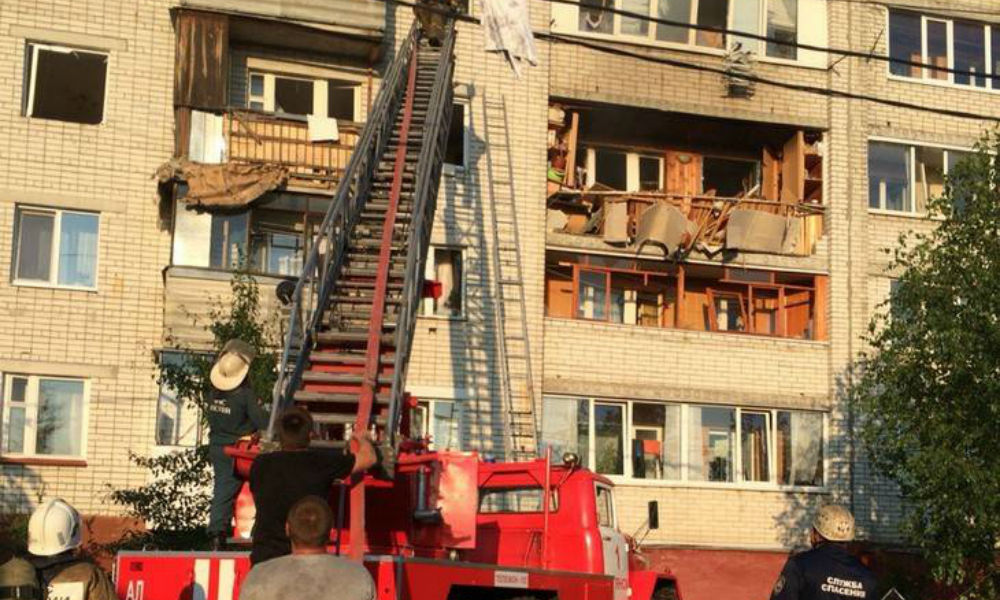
(665, 592)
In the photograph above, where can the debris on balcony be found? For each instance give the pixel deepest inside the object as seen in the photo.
(685, 184)
(227, 185)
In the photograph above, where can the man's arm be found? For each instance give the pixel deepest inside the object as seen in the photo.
(789, 584)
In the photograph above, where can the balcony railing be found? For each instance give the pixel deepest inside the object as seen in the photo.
(262, 138)
(587, 214)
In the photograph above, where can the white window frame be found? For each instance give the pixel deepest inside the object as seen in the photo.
(53, 281)
(949, 81)
(738, 483)
(31, 417)
(453, 169)
(691, 45)
(632, 178)
(33, 48)
(427, 420)
(200, 431)
(912, 175)
(430, 266)
(320, 90)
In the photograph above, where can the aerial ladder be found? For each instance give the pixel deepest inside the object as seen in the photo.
(353, 310)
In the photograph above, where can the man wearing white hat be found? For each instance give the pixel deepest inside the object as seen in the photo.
(53, 543)
(232, 412)
(828, 571)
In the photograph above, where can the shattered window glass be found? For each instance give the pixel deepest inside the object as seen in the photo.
(66, 84)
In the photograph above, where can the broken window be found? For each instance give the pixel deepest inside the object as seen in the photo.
(970, 54)
(56, 247)
(711, 435)
(904, 43)
(593, 19)
(611, 169)
(592, 297)
(228, 245)
(800, 448)
(293, 96)
(65, 84)
(782, 18)
(730, 177)
(677, 11)
(454, 153)
(444, 265)
(656, 440)
(904, 178)
(341, 97)
(714, 14)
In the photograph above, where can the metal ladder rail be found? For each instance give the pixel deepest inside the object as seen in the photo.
(517, 418)
(318, 279)
(427, 181)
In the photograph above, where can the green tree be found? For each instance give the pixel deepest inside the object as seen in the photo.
(174, 504)
(928, 390)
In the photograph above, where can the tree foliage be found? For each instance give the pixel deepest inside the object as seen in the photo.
(174, 503)
(928, 392)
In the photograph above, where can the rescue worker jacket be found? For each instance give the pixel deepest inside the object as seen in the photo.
(827, 572)
(68, 577)
(233, 414)
(18, 579)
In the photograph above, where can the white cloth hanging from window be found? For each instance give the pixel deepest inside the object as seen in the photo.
(507, 28)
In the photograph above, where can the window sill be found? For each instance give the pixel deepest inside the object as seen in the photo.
(882, 212)
(621, 481)
(43, 461)
(53, 286)
(647, 42)
(944, 84)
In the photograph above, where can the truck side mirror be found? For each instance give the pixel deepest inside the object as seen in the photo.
(654, 514)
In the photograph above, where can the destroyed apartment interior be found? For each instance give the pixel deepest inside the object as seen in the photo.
(653, 216)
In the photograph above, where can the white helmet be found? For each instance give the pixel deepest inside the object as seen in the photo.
(54, 528)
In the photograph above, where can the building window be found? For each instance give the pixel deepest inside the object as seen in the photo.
(177, 423)
(958, 52)
(903, 178)
(445, 266)
(295, 95)
(515, 500)
(438, 419)
(457, 144)
(682, 442)
(626, 171)
(778, 18)
(55, 247)
(65, 84)
(717, 299)
(44, 416)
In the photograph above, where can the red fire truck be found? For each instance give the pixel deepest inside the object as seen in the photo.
(452, 527)
(433, 525)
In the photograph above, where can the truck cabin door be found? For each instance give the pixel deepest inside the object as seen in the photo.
(613, 544)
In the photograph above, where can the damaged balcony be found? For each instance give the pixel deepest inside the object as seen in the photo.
(693, 297)
(649, 182)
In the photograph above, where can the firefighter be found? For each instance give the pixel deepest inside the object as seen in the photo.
(53, 548)
(828, 571)
(232, 412)
(432, 18)
(17, 577)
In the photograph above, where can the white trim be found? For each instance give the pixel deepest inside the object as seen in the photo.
(53, 280)
(912, 147)
(30, 405)
(320, 82)
(441, 392)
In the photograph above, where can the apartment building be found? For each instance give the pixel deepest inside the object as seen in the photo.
(697, 254)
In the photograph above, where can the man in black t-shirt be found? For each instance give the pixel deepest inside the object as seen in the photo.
(280, 479)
